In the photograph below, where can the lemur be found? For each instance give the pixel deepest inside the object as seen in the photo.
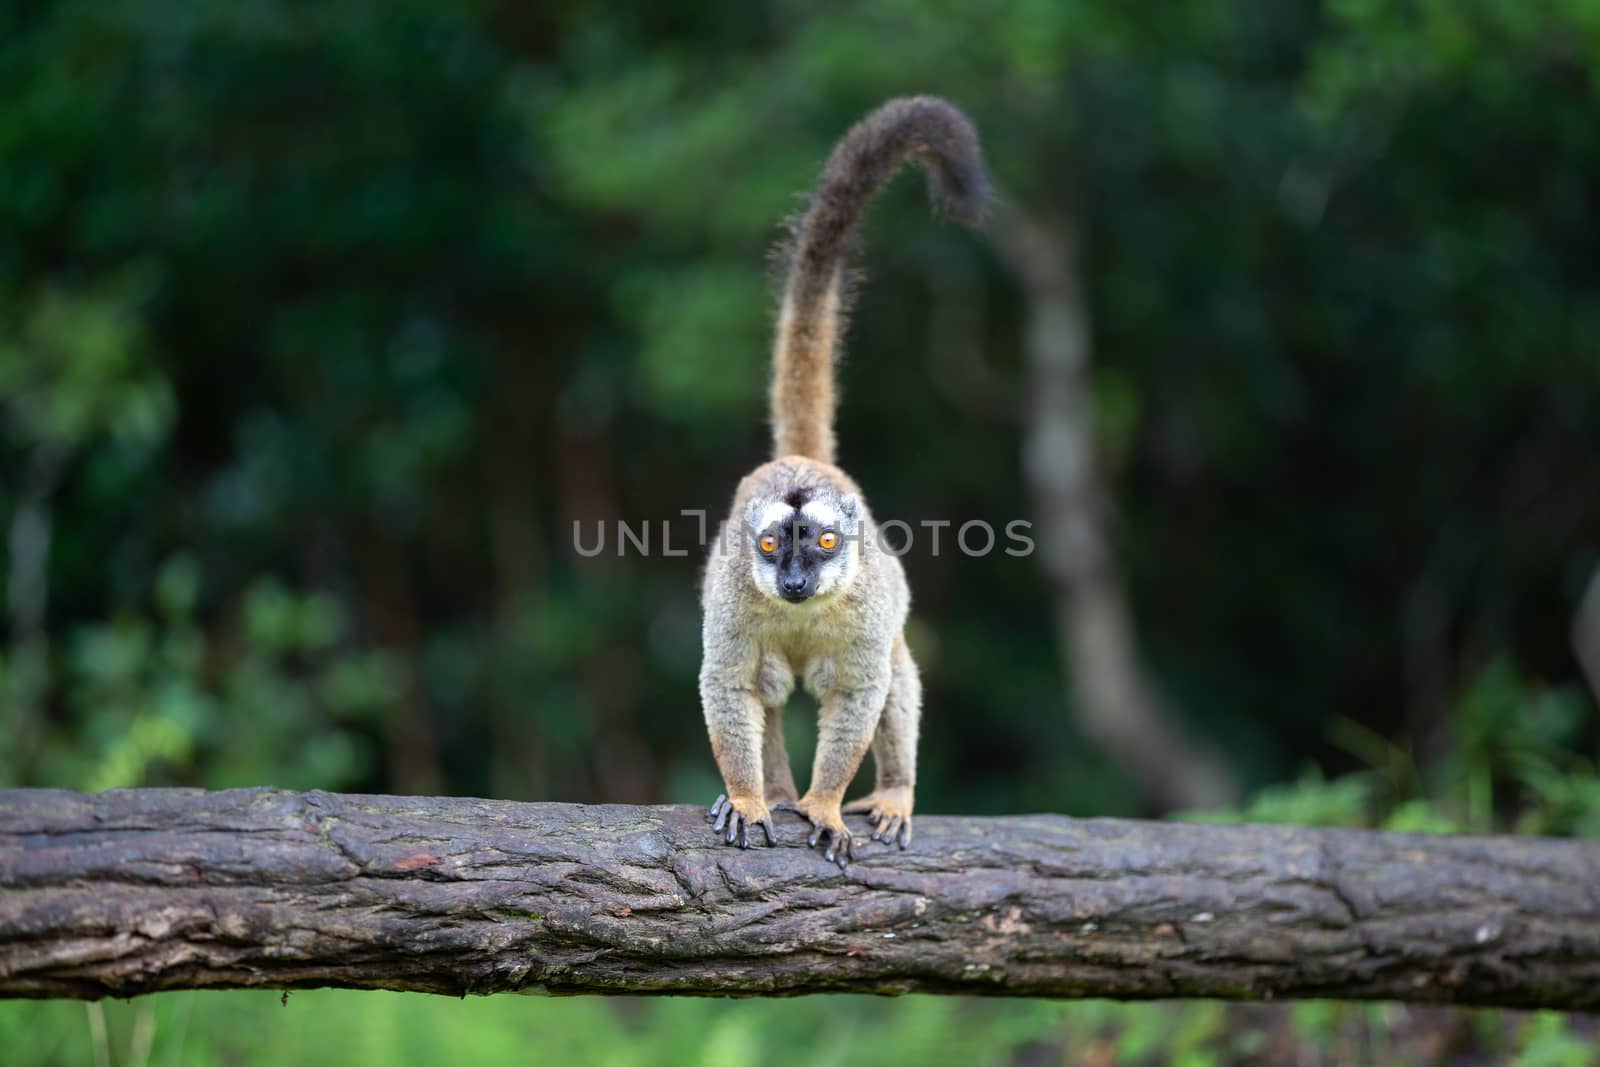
(798, 583)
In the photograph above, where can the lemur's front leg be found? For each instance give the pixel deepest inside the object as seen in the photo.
(734, 719)
(894, 751)
(845, 725)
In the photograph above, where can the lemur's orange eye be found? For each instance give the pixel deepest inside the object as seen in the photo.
(769, 544)
(828, 540)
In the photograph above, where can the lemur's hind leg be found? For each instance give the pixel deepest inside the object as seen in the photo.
(894, 753)
(775, 685)
(779, 786)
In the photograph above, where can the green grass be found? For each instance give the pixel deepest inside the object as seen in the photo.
(342, 1027)
(240, 1029)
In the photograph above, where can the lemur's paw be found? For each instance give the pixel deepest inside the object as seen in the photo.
(890, 812)
(827, 824)
(737, 815)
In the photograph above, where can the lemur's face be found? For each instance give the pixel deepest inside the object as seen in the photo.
(804, 546)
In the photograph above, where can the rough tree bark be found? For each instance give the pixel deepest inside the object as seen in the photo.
(133, 891)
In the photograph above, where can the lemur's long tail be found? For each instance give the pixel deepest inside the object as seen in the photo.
(811, 321)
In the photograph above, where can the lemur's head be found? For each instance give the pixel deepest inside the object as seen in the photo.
(804, 544)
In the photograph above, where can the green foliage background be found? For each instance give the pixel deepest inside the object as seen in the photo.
(321, 326)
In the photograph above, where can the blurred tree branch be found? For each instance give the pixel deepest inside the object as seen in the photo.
(28, 598)
(1586, 634)
(1116, 705)
(133, 891)
(74, 371)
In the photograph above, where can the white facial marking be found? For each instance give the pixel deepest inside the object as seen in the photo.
(774, 513)
(765, 577)
(822, 513)
(833, 574)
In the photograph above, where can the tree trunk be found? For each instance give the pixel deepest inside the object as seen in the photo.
(1586, 634)
(133, 891)
(27, 607)
(1116, 706)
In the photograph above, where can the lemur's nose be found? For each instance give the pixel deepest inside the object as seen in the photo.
(794, 584)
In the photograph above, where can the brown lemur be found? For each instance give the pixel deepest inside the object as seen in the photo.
(798, 583)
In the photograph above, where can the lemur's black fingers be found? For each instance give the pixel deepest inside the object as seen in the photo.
(733, 827)
(716, 806)
(839, 846)
(721, 811)
(766, 825)
(905, 834)
(744, 833)
(887, 828)
(816, 835)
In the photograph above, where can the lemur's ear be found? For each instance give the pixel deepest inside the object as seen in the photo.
(850, 505)
(752, 514)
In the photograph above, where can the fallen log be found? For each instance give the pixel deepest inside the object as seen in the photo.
(133, 891)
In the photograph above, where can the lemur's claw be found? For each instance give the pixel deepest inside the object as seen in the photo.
(838, 847)
(724, 813)
(889, 811)
(827, 826)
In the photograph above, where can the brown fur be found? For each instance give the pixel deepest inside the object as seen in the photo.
(846, 643)
(811, 317)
